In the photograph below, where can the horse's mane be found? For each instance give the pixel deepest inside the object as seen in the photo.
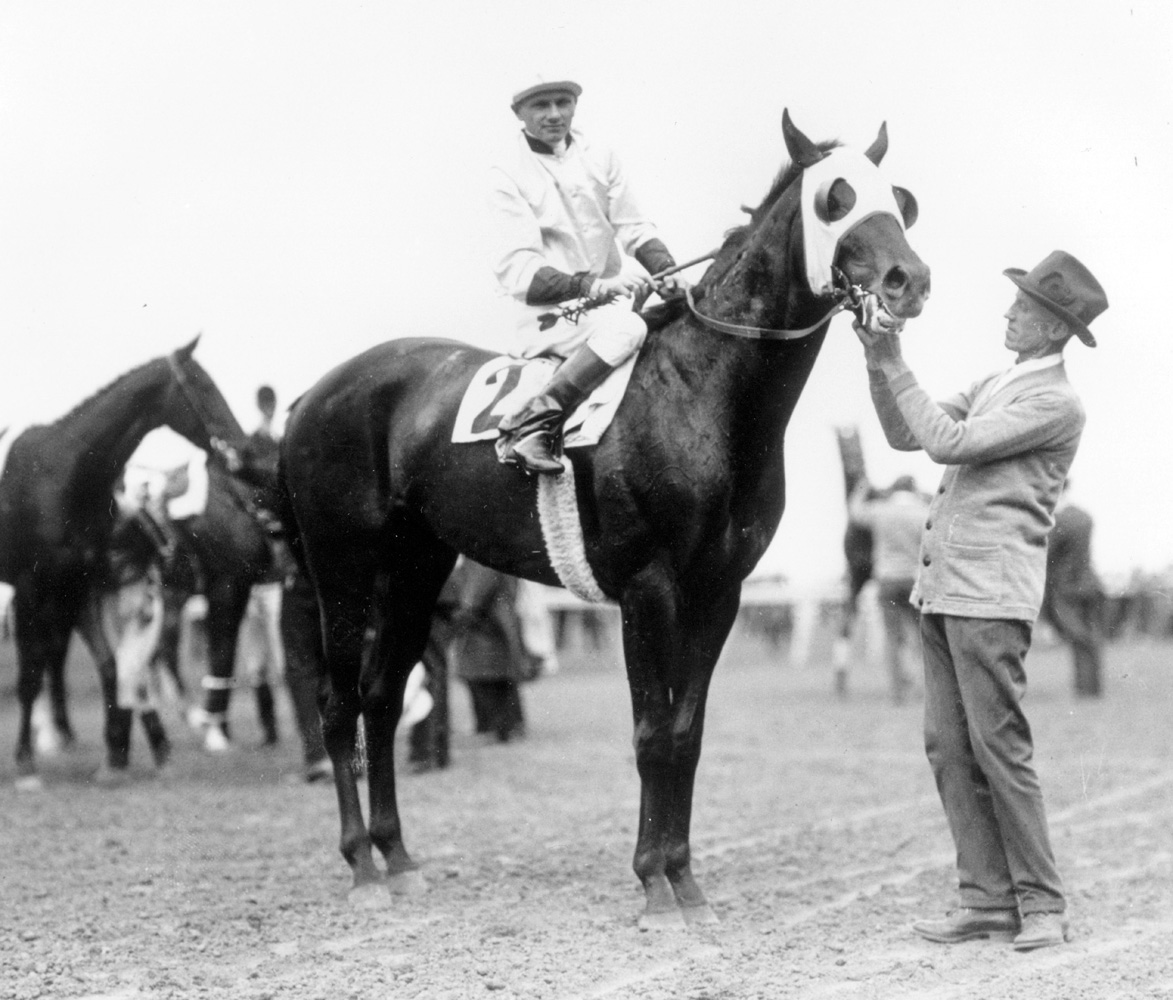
(659, 316)
(106, 388)
(785, 177)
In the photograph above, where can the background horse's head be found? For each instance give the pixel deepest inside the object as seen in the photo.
(829, 221)
(196, 408)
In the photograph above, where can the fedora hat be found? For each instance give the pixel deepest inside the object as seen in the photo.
(536, 84)
(1065, 287)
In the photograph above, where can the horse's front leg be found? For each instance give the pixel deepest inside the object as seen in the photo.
(118, 718)
(43, 627)
(227, 599)
(672, 645)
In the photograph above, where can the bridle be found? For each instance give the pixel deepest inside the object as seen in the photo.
(219, 446)
(847, 296)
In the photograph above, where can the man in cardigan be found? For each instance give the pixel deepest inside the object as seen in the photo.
(560, 203)
(1007, 443)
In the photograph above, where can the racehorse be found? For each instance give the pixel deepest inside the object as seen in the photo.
(56, 520)
(677, 501)
(858, 546)
(222, 551)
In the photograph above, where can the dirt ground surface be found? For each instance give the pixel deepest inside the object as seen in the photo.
(817, 835)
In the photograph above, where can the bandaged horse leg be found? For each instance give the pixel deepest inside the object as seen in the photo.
(227, 598)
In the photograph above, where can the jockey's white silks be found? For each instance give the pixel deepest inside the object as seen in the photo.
(873, 194)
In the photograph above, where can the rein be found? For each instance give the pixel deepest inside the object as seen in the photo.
(220, 447)
(846, 297)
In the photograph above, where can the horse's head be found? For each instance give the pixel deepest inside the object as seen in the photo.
(830, 222)
(195, 407)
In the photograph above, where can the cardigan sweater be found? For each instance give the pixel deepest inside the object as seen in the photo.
(1007, 451)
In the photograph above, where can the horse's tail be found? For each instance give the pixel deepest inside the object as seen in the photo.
(285, 513)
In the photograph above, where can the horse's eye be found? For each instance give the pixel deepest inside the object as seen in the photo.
(834, 200)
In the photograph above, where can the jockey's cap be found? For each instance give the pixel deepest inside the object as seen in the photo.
(537, 84)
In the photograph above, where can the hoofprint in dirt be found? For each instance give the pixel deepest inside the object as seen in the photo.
(817, 828)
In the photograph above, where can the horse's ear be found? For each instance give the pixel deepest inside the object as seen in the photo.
(909, 210)
(875, 152)
(802, 151)
(834, 200)
(187, 350)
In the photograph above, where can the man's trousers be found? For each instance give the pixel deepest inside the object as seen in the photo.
(979, 745)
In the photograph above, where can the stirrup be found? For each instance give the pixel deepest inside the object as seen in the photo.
(547, 461)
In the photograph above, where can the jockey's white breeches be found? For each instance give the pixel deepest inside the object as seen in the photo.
(612, 331)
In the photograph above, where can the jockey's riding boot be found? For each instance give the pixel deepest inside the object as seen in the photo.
(535, 433)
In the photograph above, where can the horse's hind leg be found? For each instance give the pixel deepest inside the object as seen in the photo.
(344, 594)
(405, 598)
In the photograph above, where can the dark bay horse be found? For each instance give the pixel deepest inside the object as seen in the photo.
(223, 552)
(56, 519)
(677, 502)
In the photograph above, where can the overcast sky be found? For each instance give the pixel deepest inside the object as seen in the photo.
(301, 180)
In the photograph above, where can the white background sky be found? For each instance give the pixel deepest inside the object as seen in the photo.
(301, 180)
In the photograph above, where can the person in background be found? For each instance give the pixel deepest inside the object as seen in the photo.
(896, 518)
(1073, 601)
(1007, 443)
(477, 635)
(260, 654)
(561, 208)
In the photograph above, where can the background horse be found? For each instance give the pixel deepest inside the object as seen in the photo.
(222, 552)
(677, 502)
(56, 519)
(858, 547)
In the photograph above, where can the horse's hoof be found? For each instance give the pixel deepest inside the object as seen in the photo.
(197, 718)
(29, 783)
(216, 740)
(702, 914)
(319, 771)
(111, 777)
(369, 896)
(662, 920)
(409, 883)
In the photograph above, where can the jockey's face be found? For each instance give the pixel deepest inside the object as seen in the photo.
(547, 116)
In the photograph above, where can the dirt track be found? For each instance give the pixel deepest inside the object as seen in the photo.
(817, 836)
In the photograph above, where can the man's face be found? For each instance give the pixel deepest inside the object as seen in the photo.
(547, 116)
(1029, 328)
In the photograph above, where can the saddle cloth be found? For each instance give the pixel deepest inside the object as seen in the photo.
(505, 384)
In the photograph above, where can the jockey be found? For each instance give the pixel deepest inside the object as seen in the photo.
(560, 205)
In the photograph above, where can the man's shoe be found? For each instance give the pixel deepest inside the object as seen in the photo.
(968, 924)
(1042, 930)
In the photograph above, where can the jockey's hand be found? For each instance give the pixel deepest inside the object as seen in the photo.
(620, 286)
(673, 286)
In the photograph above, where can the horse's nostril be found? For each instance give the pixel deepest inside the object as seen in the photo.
(896, 280)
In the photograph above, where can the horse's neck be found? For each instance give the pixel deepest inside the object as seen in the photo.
(746, 389)
(106, 429)
(754, 384)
